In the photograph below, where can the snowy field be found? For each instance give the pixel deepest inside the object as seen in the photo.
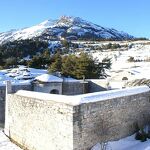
(139, 50)
(20, 75)
(121, 67)
(128, 143)
(6, 144)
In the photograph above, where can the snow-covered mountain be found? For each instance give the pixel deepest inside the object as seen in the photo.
(65, 27)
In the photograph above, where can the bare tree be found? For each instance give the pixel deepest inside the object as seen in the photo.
(103, 134)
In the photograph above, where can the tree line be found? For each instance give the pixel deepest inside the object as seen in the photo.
(11, 53)
(40, 56)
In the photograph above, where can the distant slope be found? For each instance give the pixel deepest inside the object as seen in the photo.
(65, 27)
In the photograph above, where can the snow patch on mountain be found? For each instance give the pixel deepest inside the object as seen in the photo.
(65, 26)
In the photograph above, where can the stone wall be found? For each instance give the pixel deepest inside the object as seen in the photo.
(15, 88)
(96, 85)
(74, 88)
(2, 112)
(65, 88)
(48, 87)
(3, 95)
(111, 119)
(59, 122)
(38, 124)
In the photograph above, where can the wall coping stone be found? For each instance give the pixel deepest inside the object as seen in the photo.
(84, 98)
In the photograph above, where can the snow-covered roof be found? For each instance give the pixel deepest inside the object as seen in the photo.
(84, 98)
(48, 78)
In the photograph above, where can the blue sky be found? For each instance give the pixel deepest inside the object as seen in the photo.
(132, 16)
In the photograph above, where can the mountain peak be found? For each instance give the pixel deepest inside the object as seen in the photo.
(66, 26)
(71, 20)
(66, 17)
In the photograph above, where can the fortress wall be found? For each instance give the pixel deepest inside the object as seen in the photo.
(75, 122)
(48, 87)
(2, 112)
(38, 124)
(15, 88)
(96, 85)
(111, 119)
(74, 88)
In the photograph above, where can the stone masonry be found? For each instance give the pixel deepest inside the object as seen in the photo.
(3, 95)
(14, 89)
(39, 124)
(111, 119)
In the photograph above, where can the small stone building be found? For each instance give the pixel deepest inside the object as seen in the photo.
(48, 84)
(55, 85)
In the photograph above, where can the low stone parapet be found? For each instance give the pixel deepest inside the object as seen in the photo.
(40, 121)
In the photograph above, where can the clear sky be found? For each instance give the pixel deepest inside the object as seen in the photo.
(132, 16)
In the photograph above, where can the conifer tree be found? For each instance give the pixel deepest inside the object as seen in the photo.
(69, 65)
(36, 62)
(56, 64)
(84, 66)
(80, 66)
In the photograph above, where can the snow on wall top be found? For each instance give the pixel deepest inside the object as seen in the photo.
(99, 96)
(84, 98)
(48, 78)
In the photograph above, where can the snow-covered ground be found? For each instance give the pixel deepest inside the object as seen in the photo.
(20, 75)
(24, 75)
(121, 67)
(5, 143)
(128, 143)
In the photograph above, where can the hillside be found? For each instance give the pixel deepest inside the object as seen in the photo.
(65, 27)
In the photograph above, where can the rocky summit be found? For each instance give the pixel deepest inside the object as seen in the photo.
(66, 27)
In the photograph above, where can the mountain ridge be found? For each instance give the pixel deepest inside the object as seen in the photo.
(65, 27)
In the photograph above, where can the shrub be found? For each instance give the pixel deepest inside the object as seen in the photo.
(141, 135)
(131, 59)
